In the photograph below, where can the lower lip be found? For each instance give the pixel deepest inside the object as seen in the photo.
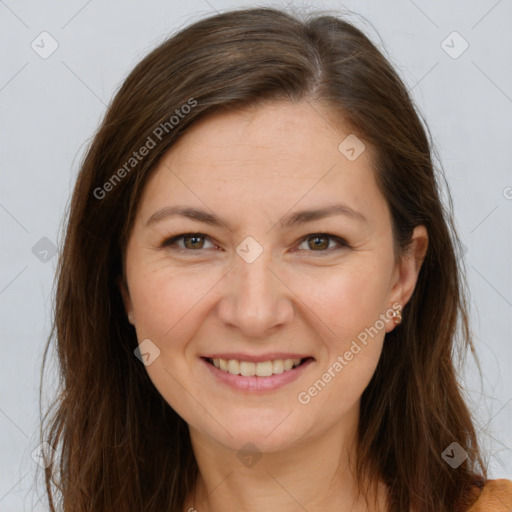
(258, 384)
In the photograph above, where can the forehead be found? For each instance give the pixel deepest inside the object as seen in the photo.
(275, 134)
(277, 154)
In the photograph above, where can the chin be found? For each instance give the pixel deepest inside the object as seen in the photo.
(264, 443)
(268, 434)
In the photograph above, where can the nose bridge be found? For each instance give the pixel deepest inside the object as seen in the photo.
(256, 299)
(253, 280)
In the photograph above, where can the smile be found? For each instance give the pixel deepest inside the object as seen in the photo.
(258, 369)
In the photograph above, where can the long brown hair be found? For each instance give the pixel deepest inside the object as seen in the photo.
(114, 433)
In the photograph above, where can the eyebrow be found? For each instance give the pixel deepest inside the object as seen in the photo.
(299, 217)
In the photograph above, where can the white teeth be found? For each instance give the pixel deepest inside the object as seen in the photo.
(233, 366)
(277, 366)
(250, 369)
(247, 369)
(264, 369)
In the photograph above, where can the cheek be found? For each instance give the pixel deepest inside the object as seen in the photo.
(165, 301)
(349, 303)
(346, 299)
(168, 306)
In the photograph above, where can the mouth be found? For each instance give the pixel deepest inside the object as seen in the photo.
(265, 368)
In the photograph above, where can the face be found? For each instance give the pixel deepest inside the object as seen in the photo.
(259, 246)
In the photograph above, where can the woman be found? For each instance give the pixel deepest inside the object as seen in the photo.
(259, 291)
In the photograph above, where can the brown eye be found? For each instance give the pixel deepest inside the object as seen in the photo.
(193, 241)
(188, 241)
(320, 242)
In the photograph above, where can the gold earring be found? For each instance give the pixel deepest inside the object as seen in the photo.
(397, 316)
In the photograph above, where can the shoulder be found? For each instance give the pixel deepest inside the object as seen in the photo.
(494, 496)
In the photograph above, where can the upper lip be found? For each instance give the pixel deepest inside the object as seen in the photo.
(256, 358)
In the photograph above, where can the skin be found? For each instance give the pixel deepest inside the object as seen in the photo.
(251, 168)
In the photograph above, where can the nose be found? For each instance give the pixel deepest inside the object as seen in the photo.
(255, 300)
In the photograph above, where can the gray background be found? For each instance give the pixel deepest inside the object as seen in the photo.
(51, 106)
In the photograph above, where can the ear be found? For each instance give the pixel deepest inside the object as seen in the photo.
(125, 294)
(408, 268)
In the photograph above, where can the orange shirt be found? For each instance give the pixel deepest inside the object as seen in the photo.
(496, 496)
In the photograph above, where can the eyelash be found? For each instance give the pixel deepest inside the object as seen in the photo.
(170, 242)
